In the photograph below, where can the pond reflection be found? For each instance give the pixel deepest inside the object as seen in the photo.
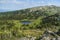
(25, 22)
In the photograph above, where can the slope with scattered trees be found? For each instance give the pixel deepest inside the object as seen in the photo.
(42, 18)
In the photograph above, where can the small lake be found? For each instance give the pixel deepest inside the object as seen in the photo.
(25, 22)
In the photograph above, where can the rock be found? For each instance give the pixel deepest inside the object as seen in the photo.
(45, 38)
(48, 36)
(58, 38)
(27, 38)
(53, 39)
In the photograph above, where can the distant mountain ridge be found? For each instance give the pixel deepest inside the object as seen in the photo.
(30, 13)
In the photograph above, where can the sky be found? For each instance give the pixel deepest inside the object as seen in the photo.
(10, 5)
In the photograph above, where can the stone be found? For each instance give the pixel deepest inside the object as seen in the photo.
(53, 39)
(27, 38)
(45, 38)
(24, 38)
(58, 38)
(32, 38)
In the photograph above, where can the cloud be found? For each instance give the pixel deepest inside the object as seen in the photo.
(11, 4)
(6, 8)
(11, 1)
(21, 4)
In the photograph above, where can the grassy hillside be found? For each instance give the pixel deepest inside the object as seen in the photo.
(42, 18)
(30, 13)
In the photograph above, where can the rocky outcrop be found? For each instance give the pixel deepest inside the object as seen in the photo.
(49, 35)
(27, 38)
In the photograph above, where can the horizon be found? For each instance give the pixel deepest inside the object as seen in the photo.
(12, 5)
(28, 8)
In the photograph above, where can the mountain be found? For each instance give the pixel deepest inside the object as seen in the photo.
(36, 21)
(30, 13)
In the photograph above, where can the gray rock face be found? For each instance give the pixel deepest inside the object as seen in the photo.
(26, 38)
(53, 39)
(46, 38)
(58, 38)
(48, 35)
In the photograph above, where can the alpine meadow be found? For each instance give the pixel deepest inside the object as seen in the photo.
(30, 22)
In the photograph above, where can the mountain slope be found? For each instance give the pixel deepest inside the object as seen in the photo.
(30, 13)
(40, 18)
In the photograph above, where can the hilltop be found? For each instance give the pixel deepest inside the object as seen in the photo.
(30, 13)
